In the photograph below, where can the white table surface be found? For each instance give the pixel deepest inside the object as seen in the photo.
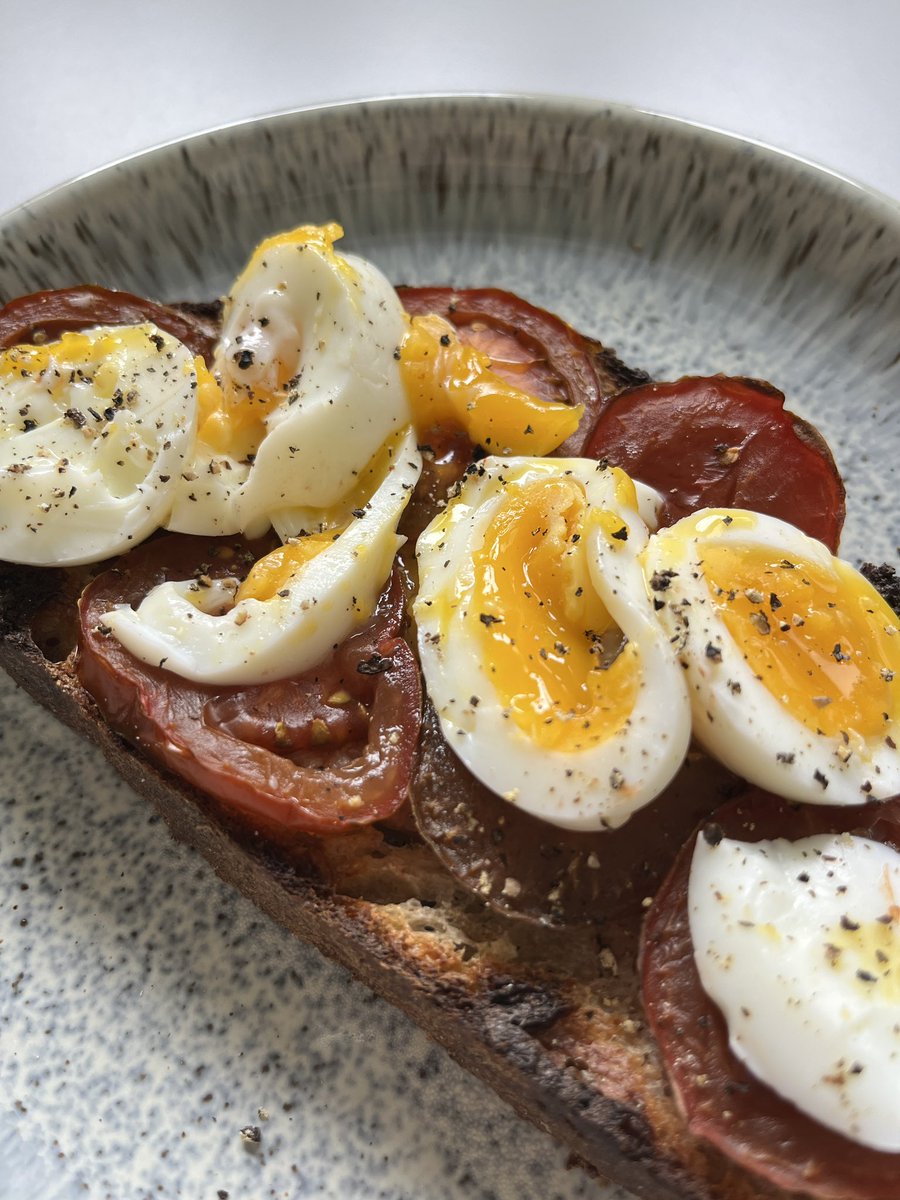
(84, 83)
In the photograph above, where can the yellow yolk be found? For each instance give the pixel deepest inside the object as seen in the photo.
(822, 641)
(94, 360)
(625, 494)
(272, 573)
(232, 425)
(448, 382)
(317, 237)
(869, 952)
(539, 623)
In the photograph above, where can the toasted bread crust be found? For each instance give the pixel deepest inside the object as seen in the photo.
(550, 1019)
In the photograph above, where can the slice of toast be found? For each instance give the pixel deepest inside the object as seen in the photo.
(549, 1018)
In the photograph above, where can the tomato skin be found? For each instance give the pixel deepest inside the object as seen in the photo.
(484, 840)
(322, 753)
(723, 1102)
(50, 314)
(723, 442)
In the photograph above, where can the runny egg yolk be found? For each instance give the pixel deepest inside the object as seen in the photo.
(318, 237)
(274, 571)
(821, 640)
(868, 952)
(557, 659)
(97, 362)
(229, 425)
(451, 383)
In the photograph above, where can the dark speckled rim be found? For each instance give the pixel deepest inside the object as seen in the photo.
(450, 147)
(560, 105)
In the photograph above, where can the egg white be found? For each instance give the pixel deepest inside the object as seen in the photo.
(85, 465)
(593, 789)
(775, 927)
(318, 331)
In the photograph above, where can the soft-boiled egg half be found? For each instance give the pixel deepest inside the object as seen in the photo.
(791, 656)
(94, 427)
(799, 946)
(305, 391)
(294, 609)
(304, 425)
(552, 679)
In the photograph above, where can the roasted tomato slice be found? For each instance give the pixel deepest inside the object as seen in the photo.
(45, 316)
(723, 1102)
(714, 442)
(326, 751)
(527, 868)
(531, 348)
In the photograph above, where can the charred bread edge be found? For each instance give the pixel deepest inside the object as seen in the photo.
(485, 1020)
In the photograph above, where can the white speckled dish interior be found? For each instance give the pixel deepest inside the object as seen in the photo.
(146, 1012)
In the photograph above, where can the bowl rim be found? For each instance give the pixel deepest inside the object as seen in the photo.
(885, 207)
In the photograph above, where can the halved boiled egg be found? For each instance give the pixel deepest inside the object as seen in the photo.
(790, 654)
(798, 943)
(94, 428)
(553, 681)
(296, 606)
(305, 391)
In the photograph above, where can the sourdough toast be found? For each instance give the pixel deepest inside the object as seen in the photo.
(551, 1019)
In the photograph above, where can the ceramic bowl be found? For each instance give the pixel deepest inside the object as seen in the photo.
(147, 1013)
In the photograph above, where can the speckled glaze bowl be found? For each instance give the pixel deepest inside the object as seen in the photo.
(147, 1014)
